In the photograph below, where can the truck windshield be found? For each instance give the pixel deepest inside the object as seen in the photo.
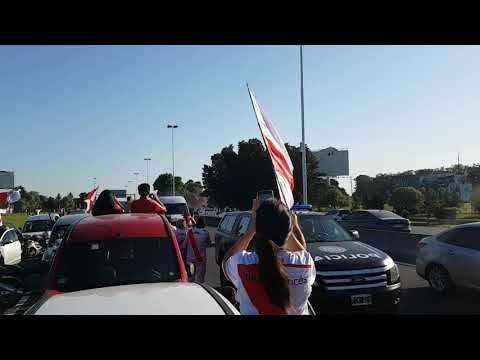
(316, 228)
(116, 262)
(175, 208)
(37, 226)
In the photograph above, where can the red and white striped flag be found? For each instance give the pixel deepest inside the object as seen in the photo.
(90, 199)
(282, 165)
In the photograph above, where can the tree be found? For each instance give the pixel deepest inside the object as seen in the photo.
(335, 198)
(192, 191)
(407, 199)
(163, 185)
(476, 200)
(473, 174)
(369, 194)
(431, 201)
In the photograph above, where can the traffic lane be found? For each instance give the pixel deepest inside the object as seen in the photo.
(428, 230)
(419, 299)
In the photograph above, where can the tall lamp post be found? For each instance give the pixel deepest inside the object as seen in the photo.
(304, 154)
(136, 182)
(148, 163)
(94, 182)
(173, 159)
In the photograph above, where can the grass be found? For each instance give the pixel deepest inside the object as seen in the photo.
(17, 219)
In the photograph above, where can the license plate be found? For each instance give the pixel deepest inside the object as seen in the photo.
(363, 299)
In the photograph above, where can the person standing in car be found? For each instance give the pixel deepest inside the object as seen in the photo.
(107, 204)
(198, 240)
(128, 204)
(277, 278)
(148, 203)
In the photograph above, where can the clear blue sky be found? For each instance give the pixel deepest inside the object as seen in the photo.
(71, 113)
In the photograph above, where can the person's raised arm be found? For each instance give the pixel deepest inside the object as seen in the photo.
(162, 209)
(296, 240)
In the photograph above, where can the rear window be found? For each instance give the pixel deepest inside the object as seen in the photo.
(37, 226)
(227, 223)
(175, 208)
(116, 262)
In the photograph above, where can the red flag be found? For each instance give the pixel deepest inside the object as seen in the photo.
(3, 198)
(90, 199)
(282, 165)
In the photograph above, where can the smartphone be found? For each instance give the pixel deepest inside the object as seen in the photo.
(264, 195)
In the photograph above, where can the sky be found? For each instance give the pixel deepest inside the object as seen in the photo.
(72, 113)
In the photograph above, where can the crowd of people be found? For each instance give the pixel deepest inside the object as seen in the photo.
(275, 278)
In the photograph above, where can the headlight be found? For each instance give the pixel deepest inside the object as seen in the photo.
(393, 274)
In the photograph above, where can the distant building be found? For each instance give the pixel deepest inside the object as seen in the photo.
(449, 181)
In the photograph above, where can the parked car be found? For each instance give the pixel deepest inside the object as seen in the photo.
(351, 276)
(376, 220)
(39, 226)
(59, 231)
(337, 214)
(169, 298)
(176, 206)
(10, 246)
(451, 258)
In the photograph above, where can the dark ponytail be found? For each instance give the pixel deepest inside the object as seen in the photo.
(272, 227)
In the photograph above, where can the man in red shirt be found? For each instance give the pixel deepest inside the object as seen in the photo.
(148, 203)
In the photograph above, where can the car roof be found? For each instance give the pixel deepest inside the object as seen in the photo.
(138, 299)
(468, 225)
(118, 226)
(41, 217)
(70, 219)
(172, 199)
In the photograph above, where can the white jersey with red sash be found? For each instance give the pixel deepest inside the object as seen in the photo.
(242, 270)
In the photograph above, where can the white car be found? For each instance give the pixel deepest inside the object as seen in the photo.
(138, 299)
(10, 247)
(176, 207)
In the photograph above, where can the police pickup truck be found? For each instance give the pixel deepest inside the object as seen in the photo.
(351, 276)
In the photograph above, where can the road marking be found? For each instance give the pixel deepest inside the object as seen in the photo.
(405, 264)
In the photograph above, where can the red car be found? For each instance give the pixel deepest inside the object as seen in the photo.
(111, 250)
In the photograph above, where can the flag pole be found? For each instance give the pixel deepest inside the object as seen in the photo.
(304, 154)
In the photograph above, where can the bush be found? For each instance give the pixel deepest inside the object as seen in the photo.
(446, 213)
(407, 199)
(476, 201)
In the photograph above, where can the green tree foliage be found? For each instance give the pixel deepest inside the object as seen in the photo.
(407, 199)
(476, 200)
(370, 193)
(192, 191)
(233, 178)
(163, 185)
(431, 201)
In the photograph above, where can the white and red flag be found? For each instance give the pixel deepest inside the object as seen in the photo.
(90, 199)
(282, 165)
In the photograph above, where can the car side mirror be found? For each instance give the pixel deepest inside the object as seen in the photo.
(190, 269)
(355, 234)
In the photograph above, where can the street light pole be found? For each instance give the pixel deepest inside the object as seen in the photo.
(148, 162)
(136, 181)
(94, 182)
(173, 159)
(304, 154)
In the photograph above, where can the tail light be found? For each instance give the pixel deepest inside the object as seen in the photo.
(420, 245)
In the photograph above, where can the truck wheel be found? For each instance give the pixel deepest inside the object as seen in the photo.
(439, 279)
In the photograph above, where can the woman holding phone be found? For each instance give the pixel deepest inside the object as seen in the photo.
(277, 278)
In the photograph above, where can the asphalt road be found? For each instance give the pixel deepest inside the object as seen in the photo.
(417, 298)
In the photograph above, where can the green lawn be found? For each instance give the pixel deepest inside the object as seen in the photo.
(17, 219)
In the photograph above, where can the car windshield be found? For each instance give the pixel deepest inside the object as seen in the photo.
(175, 208)
(116, 262)
(316, 228)
(59, 232)
(36, 226)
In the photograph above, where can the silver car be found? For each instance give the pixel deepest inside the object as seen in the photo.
(451, 258)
